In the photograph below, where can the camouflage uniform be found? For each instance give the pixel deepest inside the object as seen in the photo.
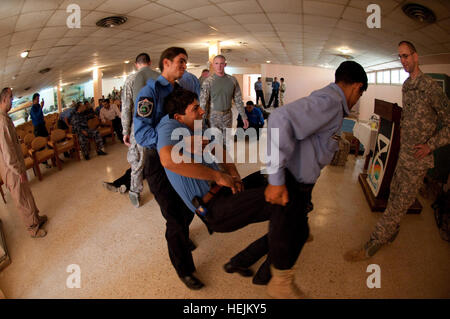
(216, 100)
(424, 105)
(136, 153)
(79, 123)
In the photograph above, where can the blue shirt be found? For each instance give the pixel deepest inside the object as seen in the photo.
(186, 187)
(307, 131)
(190, 82)
(144, 126)
(275, 86)
(37, 116)
(67, 113)
(258, 86)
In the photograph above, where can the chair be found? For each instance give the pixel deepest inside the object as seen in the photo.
(104, 129)
(1, 190)
(21, 134)
(29, 161)
(61, 142)
(40, 153)
(29, 137)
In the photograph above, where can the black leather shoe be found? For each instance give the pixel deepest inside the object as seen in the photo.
(192, 282)
(229, 268)
(191, 244)
(100, 152)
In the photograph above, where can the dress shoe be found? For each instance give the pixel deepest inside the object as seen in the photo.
(192, 282)
(191, 244)
(100, 152)
(229, 268)
(42, 220)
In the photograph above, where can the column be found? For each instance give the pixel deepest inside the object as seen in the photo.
(97, 76)
(214, 49)
(58, 97)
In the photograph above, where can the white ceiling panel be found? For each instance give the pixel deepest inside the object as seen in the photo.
(52, 32)
(32, 20)
(121, 7)
(40, 5)
(204, 12)
(172, 19)
(322, 9)
(183, 5)
(24, 36)
(7, 25)
(286, 6)
(284, 18)
(251, 18)
(237, 7)
(151, 11)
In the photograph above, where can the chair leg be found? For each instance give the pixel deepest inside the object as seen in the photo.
(38, 171)
(58, 162)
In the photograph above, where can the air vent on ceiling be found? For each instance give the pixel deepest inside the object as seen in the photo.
(27, 88)
(110, 22)
(418, 12)
(43, 71)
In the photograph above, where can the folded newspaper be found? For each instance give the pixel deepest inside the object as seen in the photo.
(4, 257)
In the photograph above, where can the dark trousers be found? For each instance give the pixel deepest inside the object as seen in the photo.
(288, 227)
(273, 97)
(178, 216)
(62, 125)
(260, 95)
(117, 125)
(125, 179)
(240, 124)
(40, 130)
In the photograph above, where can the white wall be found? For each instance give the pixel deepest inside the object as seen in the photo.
(300, 80)
(109, 83)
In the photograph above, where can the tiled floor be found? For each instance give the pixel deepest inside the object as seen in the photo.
(121, 250)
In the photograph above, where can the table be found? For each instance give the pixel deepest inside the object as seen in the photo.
(366, 135)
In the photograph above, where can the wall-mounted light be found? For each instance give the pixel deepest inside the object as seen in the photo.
(24, 54)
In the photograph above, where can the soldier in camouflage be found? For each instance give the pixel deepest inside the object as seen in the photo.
(80, 127)
(217, 93)
(135, 156)
(425, 106)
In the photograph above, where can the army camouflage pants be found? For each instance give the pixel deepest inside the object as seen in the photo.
(136, 157)
(84, 141)
(405, 185)
(222, 121)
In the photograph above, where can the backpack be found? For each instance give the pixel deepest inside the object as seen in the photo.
(4, 257)
(442, 214)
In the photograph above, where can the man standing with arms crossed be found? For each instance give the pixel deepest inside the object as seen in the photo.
(135, 156)
(149, 109)
(218, 91)
(424, 106)
(13, 171)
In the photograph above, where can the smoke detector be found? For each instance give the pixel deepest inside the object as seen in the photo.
(110, 22)
(418, 12)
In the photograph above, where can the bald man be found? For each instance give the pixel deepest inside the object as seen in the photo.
(13, 171)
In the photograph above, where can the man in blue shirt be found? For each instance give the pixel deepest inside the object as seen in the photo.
(275, 90)
(259, 92)
(190, 82)
(37, 117)
(254, 116)
(149, 109)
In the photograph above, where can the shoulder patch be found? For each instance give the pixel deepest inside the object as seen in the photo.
(145, 106)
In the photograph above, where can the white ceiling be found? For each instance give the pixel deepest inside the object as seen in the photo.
(294, 32)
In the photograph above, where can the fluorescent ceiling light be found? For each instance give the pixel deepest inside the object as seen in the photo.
(24, 54)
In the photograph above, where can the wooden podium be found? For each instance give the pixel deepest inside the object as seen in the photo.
(376, 183)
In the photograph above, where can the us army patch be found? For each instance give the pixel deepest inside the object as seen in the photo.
(145, 107)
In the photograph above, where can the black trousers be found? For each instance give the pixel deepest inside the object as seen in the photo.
(125, 179)
(260, 95)
(62, 125)
(178, 216)
(273, 97)
(240, 124)
(288, 227)
(117, 125)
(40, 130)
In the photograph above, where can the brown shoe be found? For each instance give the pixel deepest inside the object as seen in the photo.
(282, 285)
(40, 233)
(42, 220)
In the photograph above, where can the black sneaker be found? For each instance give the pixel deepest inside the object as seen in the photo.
(192, 282)
(100, 152)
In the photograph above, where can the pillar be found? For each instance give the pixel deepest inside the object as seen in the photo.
(97, 76)
(213, 50)
(58, 97)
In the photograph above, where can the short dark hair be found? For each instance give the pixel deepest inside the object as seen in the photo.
(220, 56)
(281, 79)
(4, 93)
(77, 105)
(409, 44)
(143, 58)
(36, 95)
(350, 72)
(178, 101)
(205, 70)
(249, 103)
(170, 54)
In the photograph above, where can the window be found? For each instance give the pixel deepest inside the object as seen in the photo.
(371, 77)
(403, 76)
(395, 76)
(390, 77)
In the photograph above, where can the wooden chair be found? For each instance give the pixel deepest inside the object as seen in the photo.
(29, 161)
(28, 138)
(61, 142)
(21, 134)
(40, 153)
(104, 129)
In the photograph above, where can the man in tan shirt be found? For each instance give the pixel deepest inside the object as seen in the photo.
(13, 171)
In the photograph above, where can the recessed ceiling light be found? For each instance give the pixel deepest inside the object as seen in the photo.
(24, 54)
(127, 61)
(268, 61)
(344, 50)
